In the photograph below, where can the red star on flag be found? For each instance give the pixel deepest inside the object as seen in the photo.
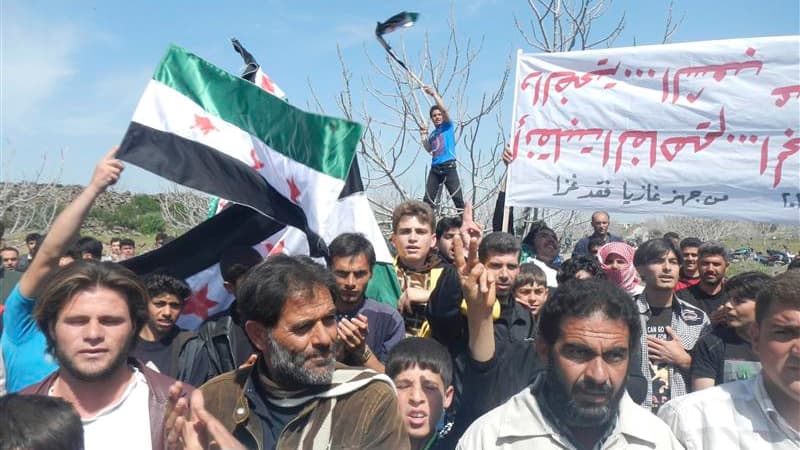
(266, 84)
(257, 164)
(294, 191)
(199, 303)
(204, 124)
(274, 249)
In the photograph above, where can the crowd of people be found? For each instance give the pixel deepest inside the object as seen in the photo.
(494, 342)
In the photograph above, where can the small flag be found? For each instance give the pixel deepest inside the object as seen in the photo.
(402, 20)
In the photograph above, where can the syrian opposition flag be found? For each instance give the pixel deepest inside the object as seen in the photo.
(194, 257)
(204, 128)
(402, 20)
(351, 212)
(254, 74)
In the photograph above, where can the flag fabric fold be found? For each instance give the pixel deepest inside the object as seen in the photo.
(290, 178)
(209, 130)
(255, 74)
(194, 256)
(402, 20)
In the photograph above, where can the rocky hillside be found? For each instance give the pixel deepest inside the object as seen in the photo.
(27, 207)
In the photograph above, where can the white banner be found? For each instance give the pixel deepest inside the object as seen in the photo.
(706, 129)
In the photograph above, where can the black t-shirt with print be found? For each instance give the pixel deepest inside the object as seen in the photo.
(657, 324)
(724, 356)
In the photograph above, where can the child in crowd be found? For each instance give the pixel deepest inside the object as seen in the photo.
(422, 372)
(530, 288)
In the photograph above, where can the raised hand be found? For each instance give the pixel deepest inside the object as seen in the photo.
(107, 172)
(470, 230)
(508, 155)
(176, 415)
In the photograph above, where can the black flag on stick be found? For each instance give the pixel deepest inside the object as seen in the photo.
(402, 20)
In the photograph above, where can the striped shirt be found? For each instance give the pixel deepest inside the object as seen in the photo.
(689, 323)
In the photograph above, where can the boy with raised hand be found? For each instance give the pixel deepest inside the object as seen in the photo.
(422, 372)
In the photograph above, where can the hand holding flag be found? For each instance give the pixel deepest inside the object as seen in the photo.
(401, 20)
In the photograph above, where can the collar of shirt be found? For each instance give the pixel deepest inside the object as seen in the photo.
(136, 377)
(529, 419)
(765, 404)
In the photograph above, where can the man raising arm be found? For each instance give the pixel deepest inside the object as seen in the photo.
(23, 344)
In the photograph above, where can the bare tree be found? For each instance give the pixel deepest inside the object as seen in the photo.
(182, 208)
(565, 25)
(394, 109)
(31, 204)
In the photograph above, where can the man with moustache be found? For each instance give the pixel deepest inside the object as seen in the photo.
(499, 253)
(90, 313)
(541, 246)
(296, 395)
(709, 294)
(690, 269)
(368, 329)
(588, 330)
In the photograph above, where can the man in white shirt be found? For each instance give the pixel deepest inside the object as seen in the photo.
(587, 332)
(762, 412)
(90, 314)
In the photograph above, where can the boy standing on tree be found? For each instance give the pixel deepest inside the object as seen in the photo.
(441, 144)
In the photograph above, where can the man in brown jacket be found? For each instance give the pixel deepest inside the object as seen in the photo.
(296, 395)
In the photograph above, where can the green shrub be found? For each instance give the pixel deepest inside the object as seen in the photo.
(142, 213)
(150, 223)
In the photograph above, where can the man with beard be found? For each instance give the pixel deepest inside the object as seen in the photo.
(160, 341)
(496, 365)
(23, 344)
(671, 327)
(764, 411)
(296, 395)
(709, 294)
(90, 313)
(690, 270)
(367, 329)
(588, 330)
